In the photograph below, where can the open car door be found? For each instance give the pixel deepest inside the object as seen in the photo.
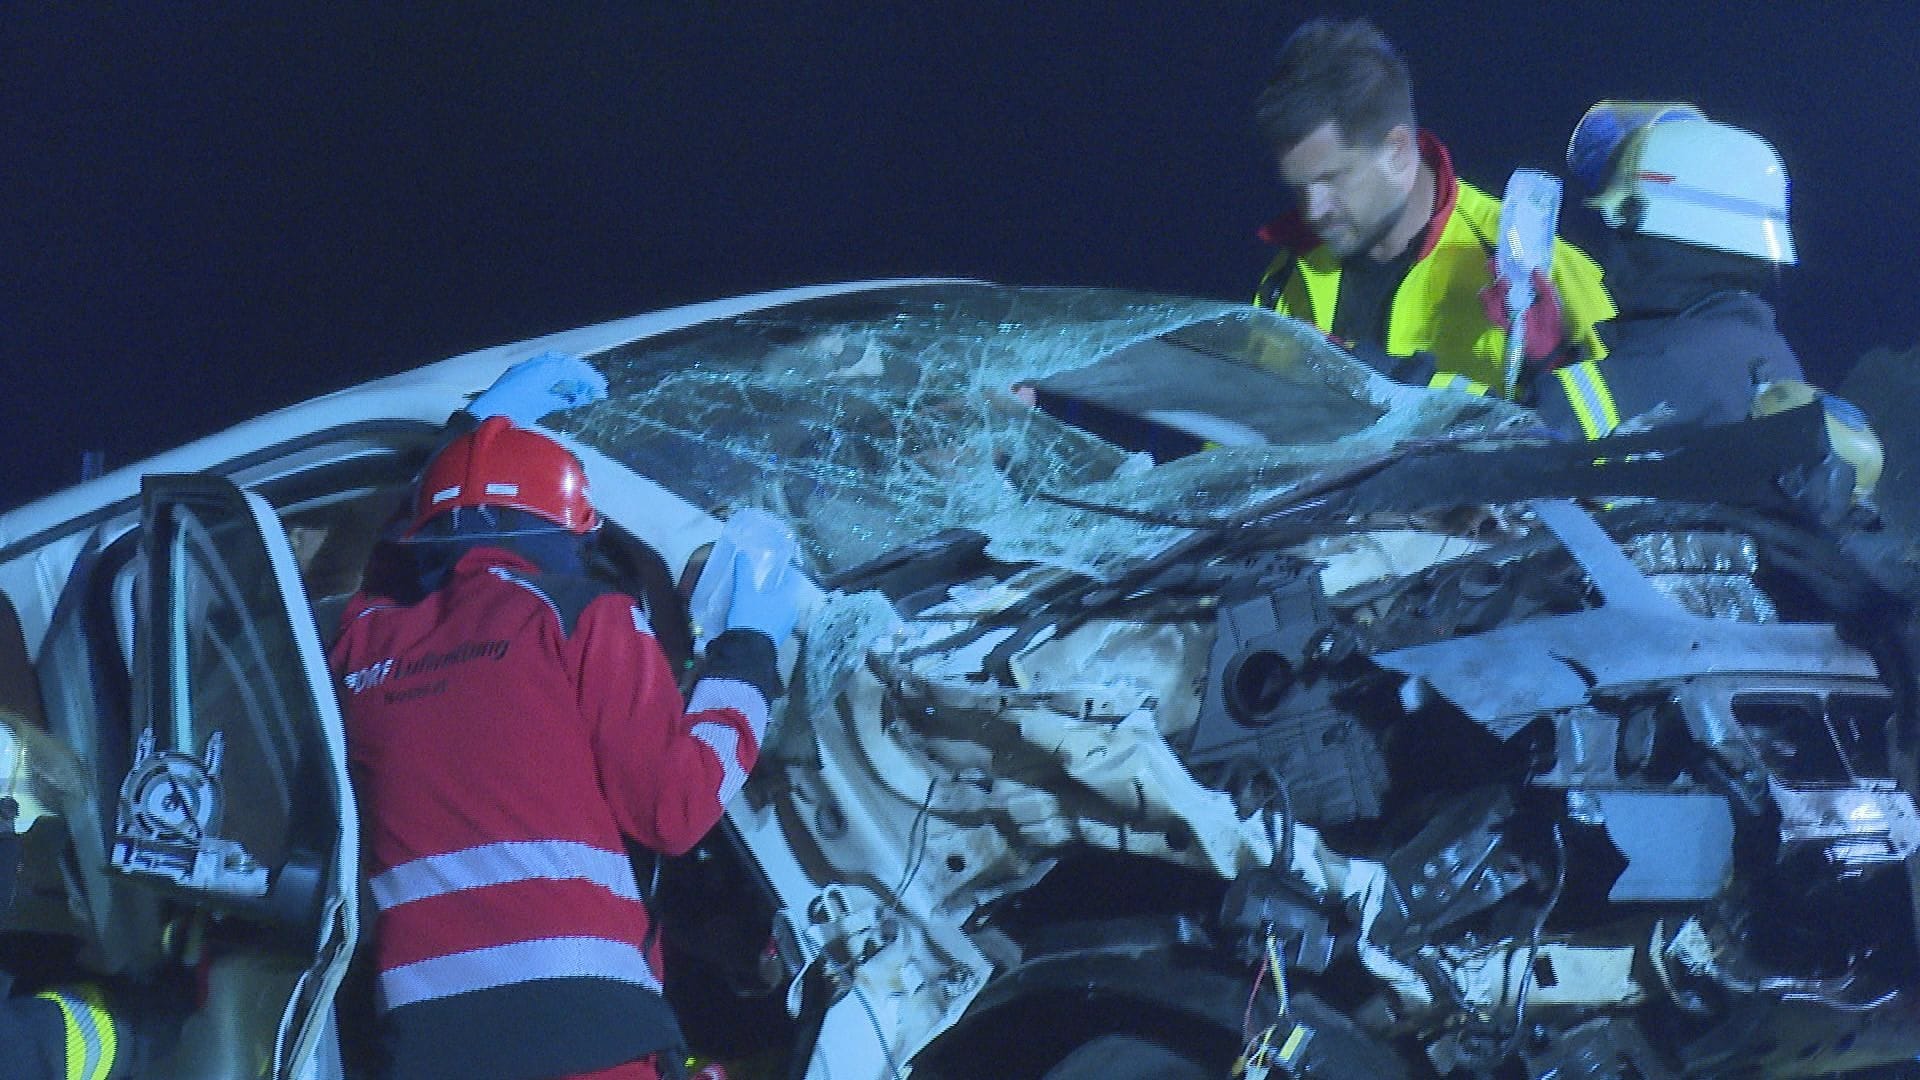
(238, 805)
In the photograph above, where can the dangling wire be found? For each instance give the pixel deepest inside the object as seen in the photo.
(1256, 1056)
(1279, 970)
(1246, 1018)
(1283, 854)
(919, 833)
(886, 1051)
(1533, 940)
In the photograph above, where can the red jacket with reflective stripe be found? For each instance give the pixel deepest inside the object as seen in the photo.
(506, 734)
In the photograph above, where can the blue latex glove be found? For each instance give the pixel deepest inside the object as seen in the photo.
(771, 608)
(533, 388)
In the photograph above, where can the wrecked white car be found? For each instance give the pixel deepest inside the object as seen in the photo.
(1181, 699)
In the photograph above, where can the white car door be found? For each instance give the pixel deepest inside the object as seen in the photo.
(239, 801)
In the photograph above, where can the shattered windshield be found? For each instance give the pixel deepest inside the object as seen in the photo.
(874, 419)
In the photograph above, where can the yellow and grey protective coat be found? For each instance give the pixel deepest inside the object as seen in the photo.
(1436, 308)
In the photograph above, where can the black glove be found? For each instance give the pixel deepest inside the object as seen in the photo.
(1415, 370)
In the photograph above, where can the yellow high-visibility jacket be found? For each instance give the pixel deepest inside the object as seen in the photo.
(1436, 308)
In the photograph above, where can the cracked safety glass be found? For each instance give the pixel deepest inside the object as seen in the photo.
(872, 420)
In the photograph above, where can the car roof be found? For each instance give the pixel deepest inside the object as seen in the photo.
(427, 394)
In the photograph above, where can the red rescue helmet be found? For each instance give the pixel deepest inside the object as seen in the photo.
(497, 464)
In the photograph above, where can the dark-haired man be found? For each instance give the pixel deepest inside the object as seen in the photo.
(1386, 249)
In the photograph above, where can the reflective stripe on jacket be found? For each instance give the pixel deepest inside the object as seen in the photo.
(1436, 308)
(91, 1044)
(1589, 398)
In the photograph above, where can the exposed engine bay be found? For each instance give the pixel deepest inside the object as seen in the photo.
(1458, 751)
(1600, 790)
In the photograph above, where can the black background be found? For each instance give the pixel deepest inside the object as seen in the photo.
(216, 210)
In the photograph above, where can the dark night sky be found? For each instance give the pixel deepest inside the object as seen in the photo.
(215, 210)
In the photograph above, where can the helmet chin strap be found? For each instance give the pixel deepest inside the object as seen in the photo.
(502, 534)
(442, 544)
(464, 523)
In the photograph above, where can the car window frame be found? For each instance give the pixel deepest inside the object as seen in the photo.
(305, 1017)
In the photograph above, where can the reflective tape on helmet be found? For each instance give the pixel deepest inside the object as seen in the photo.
(91, 1042)
(1592, 401)
(1670, 187)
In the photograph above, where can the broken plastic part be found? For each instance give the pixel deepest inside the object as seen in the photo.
(1262, 902)
(1678, 845)
(1563, 975)
(1267, 702)
(1604, 1048)
(1865, 824)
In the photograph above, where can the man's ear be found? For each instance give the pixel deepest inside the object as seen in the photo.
(1401, 149)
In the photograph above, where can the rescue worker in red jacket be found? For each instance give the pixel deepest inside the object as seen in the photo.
(1386, 250)
(508, 733)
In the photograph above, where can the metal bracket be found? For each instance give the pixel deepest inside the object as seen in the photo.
(169, 813)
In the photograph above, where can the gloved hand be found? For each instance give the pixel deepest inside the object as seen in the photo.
(533, 388)
(1545, 326)
(771, 607)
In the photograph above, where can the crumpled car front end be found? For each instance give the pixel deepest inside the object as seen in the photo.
(1384, 737)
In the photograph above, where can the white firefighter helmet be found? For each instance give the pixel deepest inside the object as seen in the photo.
(1705, 183)
(1608, 126)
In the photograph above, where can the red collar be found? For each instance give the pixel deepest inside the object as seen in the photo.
(1446, 191)
(1290, 230)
